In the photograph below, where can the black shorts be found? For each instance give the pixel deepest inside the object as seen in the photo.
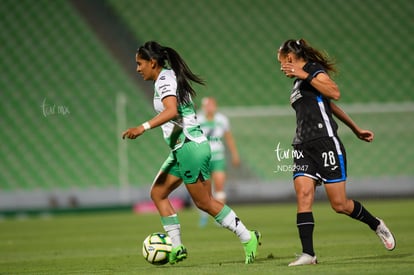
(321, 159)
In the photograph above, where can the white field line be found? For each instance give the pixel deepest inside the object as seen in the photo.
(354, 108)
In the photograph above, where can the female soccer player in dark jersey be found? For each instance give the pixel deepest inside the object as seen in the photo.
(320, 155)
(190, 154)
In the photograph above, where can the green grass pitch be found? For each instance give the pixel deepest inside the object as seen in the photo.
(110, 243)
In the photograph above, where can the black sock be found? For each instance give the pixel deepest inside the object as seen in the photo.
(305, 225)
(361, 214)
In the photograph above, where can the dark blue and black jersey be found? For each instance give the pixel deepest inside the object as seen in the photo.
(313, 112)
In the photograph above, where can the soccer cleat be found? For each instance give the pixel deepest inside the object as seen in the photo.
(304, 259)
(177, 254)
(385, 235)
(250, 248)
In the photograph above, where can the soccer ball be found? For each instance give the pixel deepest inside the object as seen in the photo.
(156, 248)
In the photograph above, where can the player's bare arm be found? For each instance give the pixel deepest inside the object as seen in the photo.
(362, 134)
(169, 113)
(231, 144)
(322, 82)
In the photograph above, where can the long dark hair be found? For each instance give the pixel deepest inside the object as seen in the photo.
(303, 50)
(166, 56)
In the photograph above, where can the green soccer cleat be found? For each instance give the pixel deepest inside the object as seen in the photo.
(177, 254)
(250, 248)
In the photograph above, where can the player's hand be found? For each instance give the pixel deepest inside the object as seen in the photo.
(235, 160)
(365, 135)
(133, 133)
(292, 70)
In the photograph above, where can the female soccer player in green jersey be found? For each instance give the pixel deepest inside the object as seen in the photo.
(190, 154)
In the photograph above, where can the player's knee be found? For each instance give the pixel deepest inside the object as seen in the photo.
(304, 194)
(153, 195)
(156, 196)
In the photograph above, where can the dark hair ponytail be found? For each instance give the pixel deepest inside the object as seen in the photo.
(303, 50)
(168, 56)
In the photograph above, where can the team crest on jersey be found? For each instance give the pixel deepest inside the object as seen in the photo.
(296, 94)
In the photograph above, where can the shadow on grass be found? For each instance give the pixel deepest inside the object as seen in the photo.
(391, 258)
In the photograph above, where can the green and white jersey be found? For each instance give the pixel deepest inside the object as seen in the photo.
(214, 131)
(185, 125)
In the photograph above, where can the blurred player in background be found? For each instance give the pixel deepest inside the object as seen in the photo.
(320, 154)
(216, 127)
(189, 159)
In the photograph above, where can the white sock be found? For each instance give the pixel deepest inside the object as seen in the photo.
(233, 223)
(173, 228)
